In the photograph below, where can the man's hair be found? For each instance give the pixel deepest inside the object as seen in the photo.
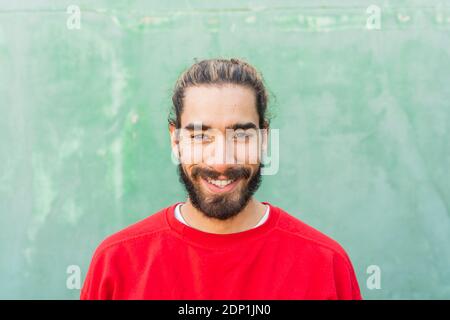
(219, 72)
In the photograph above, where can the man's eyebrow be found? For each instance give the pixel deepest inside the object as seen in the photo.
(236, 126)
(243, 126)
(197, 126)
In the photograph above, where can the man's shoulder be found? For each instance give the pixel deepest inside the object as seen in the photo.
(305, 234)
(144, 228)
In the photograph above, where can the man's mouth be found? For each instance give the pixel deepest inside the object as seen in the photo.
(220, 186)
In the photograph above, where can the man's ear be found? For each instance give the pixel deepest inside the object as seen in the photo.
(265, 136)
(174, 142)
(174, 139)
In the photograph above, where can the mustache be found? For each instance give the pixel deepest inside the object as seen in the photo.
(230, 173)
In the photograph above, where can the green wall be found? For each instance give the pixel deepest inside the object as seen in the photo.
(364, 120)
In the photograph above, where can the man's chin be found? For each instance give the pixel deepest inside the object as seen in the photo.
(220, 205)
(219, 208)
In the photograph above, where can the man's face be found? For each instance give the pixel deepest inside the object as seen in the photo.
(219, 146)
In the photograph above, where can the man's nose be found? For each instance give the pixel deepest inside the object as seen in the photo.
(222, 157)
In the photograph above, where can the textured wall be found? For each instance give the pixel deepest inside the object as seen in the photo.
(364, 120)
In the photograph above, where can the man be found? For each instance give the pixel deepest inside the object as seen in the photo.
(221, 243)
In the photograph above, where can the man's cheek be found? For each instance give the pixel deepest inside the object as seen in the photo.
(190, 154)
(247, 153)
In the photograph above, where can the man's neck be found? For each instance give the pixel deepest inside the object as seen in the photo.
(244, 220)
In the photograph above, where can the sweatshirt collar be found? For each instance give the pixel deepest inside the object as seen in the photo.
(215, 240)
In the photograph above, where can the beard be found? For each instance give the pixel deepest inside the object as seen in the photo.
(220, 206)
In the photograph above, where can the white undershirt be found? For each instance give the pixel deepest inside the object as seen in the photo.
(181, 219)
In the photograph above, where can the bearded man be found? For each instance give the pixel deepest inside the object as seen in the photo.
(220, 243)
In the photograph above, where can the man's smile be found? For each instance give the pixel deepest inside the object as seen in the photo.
(220, 185)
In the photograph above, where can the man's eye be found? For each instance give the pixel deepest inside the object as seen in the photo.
(241, 135)
(200, 137)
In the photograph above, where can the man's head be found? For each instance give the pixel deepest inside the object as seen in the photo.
(219, 107)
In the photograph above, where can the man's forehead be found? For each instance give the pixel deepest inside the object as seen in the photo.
(230, 91)
(219, 107)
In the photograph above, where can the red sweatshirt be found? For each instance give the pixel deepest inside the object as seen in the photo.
(162, 258)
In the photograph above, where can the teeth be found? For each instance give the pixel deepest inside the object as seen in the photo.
(220, 183)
